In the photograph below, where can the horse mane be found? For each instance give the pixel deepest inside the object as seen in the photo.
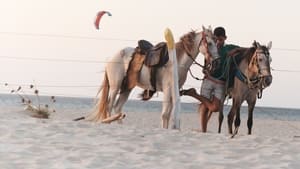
(186, 43)
(246, 53)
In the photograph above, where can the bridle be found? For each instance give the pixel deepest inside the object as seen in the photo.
(190, 55)
(204, 40)
(207, 65)
(260, 68)
(255, 82)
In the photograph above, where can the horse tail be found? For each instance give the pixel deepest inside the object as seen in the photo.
(100, 110)
(103, 101)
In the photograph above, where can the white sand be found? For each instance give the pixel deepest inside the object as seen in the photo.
(139, 143)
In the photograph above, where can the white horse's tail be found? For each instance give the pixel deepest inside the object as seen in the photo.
(100, 110)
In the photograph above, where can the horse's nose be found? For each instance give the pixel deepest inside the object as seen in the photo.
(267, 80)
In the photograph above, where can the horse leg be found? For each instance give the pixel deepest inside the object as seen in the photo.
(221, 117)
(166, 114)
(203, 110)
(250, 120)
(251, 106)
(169, 110)
(166, 109)
(231, 115)
(230, 121)
(237, 122)
(123, 97)
(111, 100)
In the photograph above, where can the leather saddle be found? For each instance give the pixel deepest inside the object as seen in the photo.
(152, 57)
(155, 56)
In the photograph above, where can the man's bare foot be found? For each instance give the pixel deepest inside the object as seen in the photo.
(188, 92)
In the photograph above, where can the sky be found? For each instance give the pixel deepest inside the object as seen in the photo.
(54, 45)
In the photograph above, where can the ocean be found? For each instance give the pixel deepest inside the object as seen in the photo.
(86, 104)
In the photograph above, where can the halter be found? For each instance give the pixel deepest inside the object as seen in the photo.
(190, 55)
(255, 82)
(261, 51)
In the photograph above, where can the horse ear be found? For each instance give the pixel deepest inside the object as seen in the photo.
(269, 45)
(209, 28)
(256, 44)
(203, 28)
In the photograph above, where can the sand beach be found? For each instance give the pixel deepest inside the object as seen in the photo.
(140, 143)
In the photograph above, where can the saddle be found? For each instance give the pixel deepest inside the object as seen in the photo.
(151, 56)
(155, 56)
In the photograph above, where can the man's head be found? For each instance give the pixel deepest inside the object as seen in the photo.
(220, 35)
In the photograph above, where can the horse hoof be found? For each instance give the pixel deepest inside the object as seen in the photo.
(233, 136)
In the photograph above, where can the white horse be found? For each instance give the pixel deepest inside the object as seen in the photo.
(187, 49)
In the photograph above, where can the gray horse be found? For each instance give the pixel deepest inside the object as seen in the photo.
(252, 75)
(250, 72)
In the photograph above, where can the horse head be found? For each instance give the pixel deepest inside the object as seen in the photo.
(208, 47)
(194, 42)
(261, 63)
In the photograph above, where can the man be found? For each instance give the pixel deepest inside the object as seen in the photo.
(213, 86)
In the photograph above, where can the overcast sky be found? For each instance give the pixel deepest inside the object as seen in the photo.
(36, 35)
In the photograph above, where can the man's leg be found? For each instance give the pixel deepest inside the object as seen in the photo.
(203, 117)
(213, 105)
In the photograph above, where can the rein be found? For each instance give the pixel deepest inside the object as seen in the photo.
(194, 76)
(205, 66)
(190, 55)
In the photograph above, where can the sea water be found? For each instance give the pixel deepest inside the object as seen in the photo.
(78, 103)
